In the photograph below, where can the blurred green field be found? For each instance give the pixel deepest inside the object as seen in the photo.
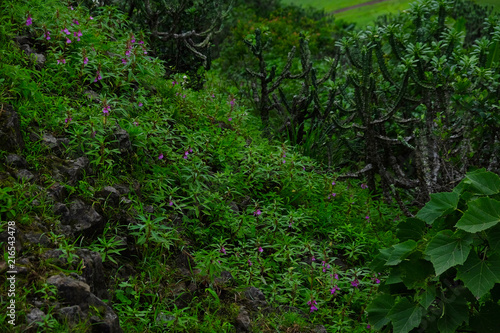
(364, 15)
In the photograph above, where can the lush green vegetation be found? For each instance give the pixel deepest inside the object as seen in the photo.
(165, 166)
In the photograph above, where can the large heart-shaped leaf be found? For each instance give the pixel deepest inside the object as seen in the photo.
(405, 316)
(447, 250)
(482, 214)
(411, 229)
(479, 276)
(493, 236)
(400, 251)
(455, 313)
(378, 310)
(483, 182)
(440, 204)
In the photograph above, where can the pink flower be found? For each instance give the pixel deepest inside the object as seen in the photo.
(171, 203)
(249, 262)
(145, 52)
(106, 110)
(124, 61)
(304, 168)
(261, 249)
(67, 120)
(140, 104)
(334, 289)
(132, 40)
(75, 21)
(98, 77)
(127, 53)
(135, 123)
(355, 283)
(61, 61)
(284, 161)
(29, 20)
(230, 119)
(367, 217)
(66, 31)
(160, 157)
(364, 186)
(190, 150)
(141, 42)
(311, 304)
(91, 18)
(47, 35)
(336, 276)
(313, 259)
(71, 8)
(85, 60)
(223, 250)
(257, 212)
(333, 183)
(68, 40)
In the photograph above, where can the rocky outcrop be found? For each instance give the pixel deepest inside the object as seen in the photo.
(79, 218)
(81, 302)
(10, 130)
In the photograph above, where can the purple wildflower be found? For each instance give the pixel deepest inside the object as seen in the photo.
(132, 40)
(106, 110)
(91, 18)
(93, 134)
(66, 31)
(29, 20)
(124, 61)
(137, 124)
(47, 35)
(311, 304)
(68, 40)
(230, 119)
(261, 249)
(367, 217)
(75, 21)
(333, 183)
(160, 156)
(336, 276)
(145, 52)
(334, 289)
(140, 104)
(190, 150)
(127, 53)
(313, 259)
(223, 250)
(304, 168)
(249, 262)
(364, 186)
(85, 60)
(355, 283)
(257, 212)
(141, 42)
(67, 120)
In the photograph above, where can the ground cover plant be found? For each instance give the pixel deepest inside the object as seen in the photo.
(138, 197)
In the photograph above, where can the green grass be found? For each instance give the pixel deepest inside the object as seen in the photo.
(367, 14)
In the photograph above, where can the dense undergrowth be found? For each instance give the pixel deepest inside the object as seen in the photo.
(202, 184)
(189, 205)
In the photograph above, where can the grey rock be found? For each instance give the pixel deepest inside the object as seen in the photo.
(225, 278)
(243, 321)
(35, 315)
(122, 189)
(82, 218)
(92, 95)
(34, 238)
(10, 130)
(39, 59)
(255, 298)
(149, 209)
(57, 145)
(22, 40)
(109, 193)
(320, 329)
(123, 138)
(15, 161)
(68, 170)
(93, 273)
(71, 314)
(162, 318)
(74, 292)
(24, 175)
(57, 192)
